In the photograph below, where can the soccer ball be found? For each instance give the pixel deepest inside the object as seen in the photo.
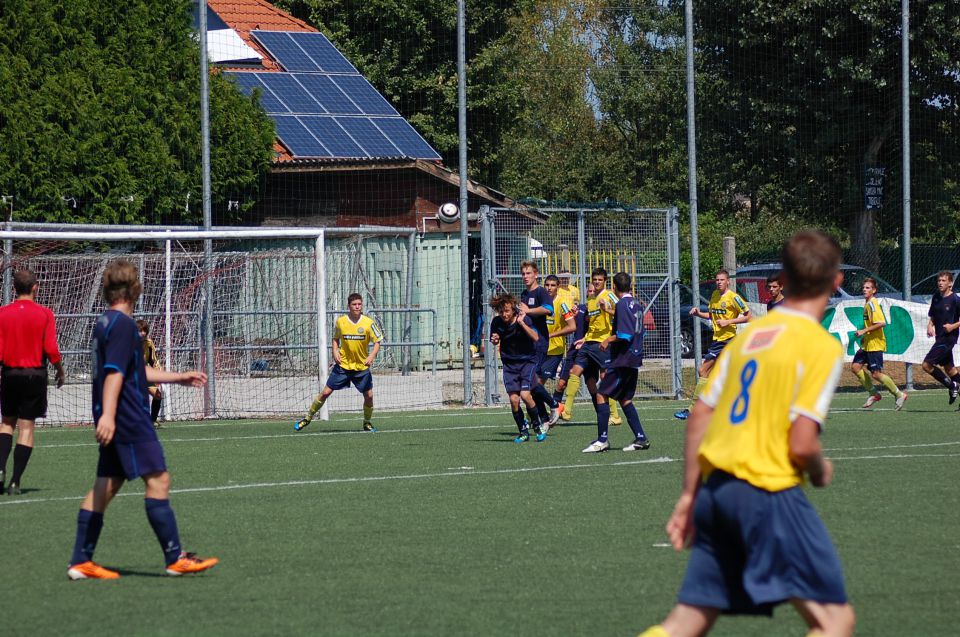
(449, 212)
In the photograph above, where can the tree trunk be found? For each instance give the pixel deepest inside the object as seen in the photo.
(864, 250)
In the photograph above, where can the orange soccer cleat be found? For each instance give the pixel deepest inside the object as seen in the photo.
(190, 563)
(90, 570)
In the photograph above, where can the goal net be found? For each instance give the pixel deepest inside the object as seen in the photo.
(255, 312)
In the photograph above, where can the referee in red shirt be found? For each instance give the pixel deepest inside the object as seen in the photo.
(28, 339)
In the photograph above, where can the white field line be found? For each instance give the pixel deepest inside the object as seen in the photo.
(441, 474)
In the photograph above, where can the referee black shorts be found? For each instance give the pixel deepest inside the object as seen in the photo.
(23, 392)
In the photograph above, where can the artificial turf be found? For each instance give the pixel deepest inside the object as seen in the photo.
(440, 525)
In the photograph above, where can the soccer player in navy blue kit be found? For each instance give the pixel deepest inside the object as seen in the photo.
(129, 447)
(943, 325)
(537, 303)
(513, 331)
(775, 288)
(625, 345)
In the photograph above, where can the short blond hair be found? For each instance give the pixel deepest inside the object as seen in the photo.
(121, 282)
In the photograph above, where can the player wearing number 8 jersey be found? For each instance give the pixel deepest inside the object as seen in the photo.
(752, 438)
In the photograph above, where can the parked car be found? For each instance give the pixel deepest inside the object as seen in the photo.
(657, 340)
(850, 290)
(922, 291)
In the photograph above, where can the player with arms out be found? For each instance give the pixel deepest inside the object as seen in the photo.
(129, 447)
(353, 334)
(872, 347)
(513, 331)
(944, 325)
(625, 345)
(726, 310)
(752, 438)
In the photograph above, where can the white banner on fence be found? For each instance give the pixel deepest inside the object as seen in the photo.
(906, 329)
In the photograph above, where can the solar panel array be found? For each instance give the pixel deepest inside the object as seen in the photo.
(323, 107)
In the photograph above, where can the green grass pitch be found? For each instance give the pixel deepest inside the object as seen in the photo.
(440, 525)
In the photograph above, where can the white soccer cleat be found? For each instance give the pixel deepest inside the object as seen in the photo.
(874, 399)
(901, 399)
(596, 447)
(638, 445)
(554, 417)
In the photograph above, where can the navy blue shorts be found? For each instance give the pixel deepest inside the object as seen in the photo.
(550, 366)
(592, 359)
(130, 460)
(872, 360)
(568, 362)
(713, 352)
(340, 378)
(519, 376)
(940, 354)
(754, 549)
(619, 383)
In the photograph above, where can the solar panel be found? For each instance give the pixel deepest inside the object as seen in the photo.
(405, 137)
(297, 138)
(322, 88)
(248, 81)
(285, 51)
(334, 137)
(286, 87)
(327, 57)
(364, 95)
(368, 136)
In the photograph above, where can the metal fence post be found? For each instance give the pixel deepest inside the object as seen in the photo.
(322, 357)
(408, 301)
(167, 316)
(673, 269)
(582, 252)
(487, 253)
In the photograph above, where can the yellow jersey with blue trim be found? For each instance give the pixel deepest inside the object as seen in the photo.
(599, 320)
(728, 305)
(875, 341)
(354, 340)
(782, 366)
(562, 310)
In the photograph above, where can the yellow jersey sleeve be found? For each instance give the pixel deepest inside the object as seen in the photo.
(817, 375)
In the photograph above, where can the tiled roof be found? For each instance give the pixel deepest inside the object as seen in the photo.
(244, 16)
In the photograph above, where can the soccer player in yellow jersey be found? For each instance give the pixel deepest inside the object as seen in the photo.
(353, 334)
(872, 346)
(559, 324)
(752, 438)
(592, 361)
(727, 309)
(568, 290)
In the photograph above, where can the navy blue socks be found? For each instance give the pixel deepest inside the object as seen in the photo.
(89, 525)
(633, 419)
(603, 421)
(164, 523)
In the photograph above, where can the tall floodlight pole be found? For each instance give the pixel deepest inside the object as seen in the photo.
(464, 221)
(692, 179)
(211, 389)
(905, 133)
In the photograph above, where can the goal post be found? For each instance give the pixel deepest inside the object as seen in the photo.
(276, 293)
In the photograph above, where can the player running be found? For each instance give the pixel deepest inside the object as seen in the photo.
(537, 303)
(625, 345)
(353, 333)
(944, 325)
(752, 437)
(517, 338)
(872, 347)
(727, 309)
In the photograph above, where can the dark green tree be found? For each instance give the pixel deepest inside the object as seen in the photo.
(100, 115)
